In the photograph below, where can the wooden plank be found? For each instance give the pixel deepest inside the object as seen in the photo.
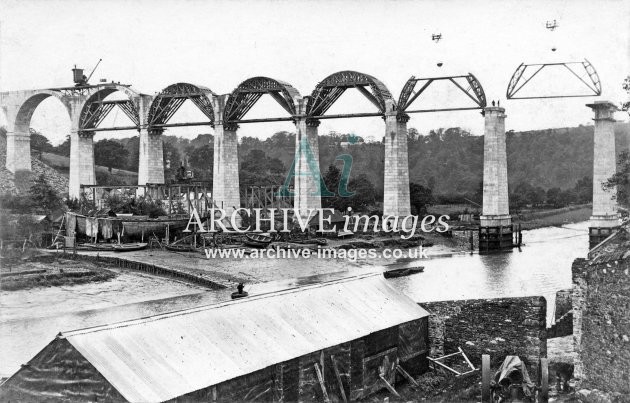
(466, 358)
(544, 380)
(338, 376)
(320, 378)
(409, 378)
(446, 356)
(485, 378)
(388, 386)
(444, 366)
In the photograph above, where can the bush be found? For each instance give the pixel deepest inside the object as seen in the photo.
(135, 205)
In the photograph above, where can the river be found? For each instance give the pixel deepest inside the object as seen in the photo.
(30, 319)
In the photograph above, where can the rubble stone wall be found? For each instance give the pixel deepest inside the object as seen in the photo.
(601, 324)
(499, 327)
(563, 303)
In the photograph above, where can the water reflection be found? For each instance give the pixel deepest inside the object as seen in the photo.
(541, 267)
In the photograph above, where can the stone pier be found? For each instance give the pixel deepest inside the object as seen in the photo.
(495, 231)
(225, 187)
(396, 184)
(82, 170)
(18, 151)
(151, 164)
(151, 155)
(307, 176)
(605, 218)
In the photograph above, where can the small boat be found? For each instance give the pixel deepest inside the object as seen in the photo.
(406, 271)
(182, 247)
(96, 246)
(344, 234)
(237, 294)
(257, 240)
(127, 247)
(315, 241)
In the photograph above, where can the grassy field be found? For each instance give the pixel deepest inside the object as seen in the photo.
(62, 164)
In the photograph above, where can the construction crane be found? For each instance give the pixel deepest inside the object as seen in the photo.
(80, 80)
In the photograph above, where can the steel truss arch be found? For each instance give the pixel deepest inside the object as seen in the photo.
(468, 84)
(328, 91)
(95, 109)
(171, 98)
(245, 96)
(520, 79)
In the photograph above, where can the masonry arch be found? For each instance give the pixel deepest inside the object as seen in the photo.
(22, 122)
(19, 108)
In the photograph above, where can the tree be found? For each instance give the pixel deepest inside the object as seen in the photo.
(626, 86)
(331, 180)
(553, 197)
(63, 148)
(364, 194)
(584, 190)
(621, 180)
(413, 134)
(420, 197)
(39, 142)
(201, 161)
(110, 153)
(258, 161)
(133, 147)
(172, 160)
(43, 196)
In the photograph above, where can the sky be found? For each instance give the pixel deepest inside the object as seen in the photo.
(154, 43)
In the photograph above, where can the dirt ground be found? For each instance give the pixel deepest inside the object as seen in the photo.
(48, 271)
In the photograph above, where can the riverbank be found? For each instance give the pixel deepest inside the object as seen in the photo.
(553, 217)
(51, 271)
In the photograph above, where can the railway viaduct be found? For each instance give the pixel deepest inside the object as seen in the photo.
(87, 107)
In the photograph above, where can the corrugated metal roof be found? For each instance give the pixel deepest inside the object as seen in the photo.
(166, 356)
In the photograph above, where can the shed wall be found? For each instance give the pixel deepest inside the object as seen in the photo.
(58, 372)
(358, 362)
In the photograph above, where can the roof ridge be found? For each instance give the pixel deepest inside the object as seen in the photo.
(182, 312)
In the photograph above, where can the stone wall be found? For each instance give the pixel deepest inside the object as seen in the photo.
(563, 315)
(563, 303)
(601, 322)
(499, 327)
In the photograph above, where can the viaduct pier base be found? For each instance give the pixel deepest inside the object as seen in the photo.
(396, 179)
(605, 219)
(495, 230)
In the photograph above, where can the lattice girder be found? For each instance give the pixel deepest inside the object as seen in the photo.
(332, 87)
(468, 84)
(245, 96)
(519, 79)
(96, 109)
(170, 99)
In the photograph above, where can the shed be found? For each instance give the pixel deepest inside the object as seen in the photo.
(262, 348)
